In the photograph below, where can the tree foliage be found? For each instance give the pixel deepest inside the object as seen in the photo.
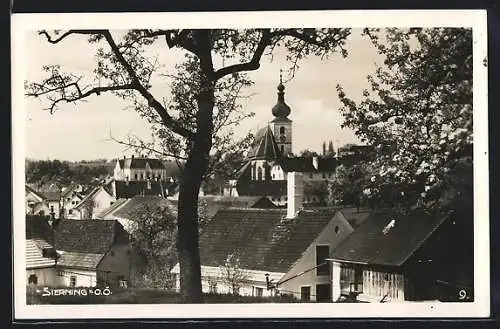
(232, 274)
(153, 231)
(188, 121)
(417, 114)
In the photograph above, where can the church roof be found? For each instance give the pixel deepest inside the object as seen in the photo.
(140, 163)
(266, 147)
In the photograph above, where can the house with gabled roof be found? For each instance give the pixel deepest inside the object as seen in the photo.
(96, 201)
(82, 253)
(273, 250)
(42, 202)
(398, 257)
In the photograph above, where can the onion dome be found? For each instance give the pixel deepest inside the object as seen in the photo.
(281, 109)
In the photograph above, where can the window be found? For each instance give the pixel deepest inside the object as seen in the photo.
(282, 130)
(212, 286)
(33, 279)
(323, 293)
(282, 149)
(322, 253)
(51, 208)
(73, 202)
(259, 292)
(70, 211)
(72, 281)
(305, 293)
(111, 203)
(259, 173)
(337, 229)
(136, 177)
(324, 175)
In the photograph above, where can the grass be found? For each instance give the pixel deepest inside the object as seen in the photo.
(140, 296)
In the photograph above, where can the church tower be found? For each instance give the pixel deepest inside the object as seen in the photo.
(281, 126)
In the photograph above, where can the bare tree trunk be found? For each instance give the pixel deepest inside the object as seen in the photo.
(194, 169)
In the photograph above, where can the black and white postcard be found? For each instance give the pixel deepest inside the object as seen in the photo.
(250, 164)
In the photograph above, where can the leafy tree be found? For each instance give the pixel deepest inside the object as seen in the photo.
(307, 153)
(232, 275)
(418, 113)
(346, 187)
(153, 231)
(214, 64)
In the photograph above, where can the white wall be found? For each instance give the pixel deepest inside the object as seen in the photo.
(254, 279)
(84, 278)
(45, 276)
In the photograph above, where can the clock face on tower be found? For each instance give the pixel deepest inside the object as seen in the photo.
(282, 138)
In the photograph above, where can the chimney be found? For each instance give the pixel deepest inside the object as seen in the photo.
(315, 162)
(295, 193)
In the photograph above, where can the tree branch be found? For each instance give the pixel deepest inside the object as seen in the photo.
(68, 33)
(152, 102)
(251, 65)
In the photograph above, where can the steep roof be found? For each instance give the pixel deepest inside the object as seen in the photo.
(247, 187)
(88, 236)
(371, 244)
(82, 260)
(132, 188)
(37, 227)
(262, 239)
(306, 164)
(34, 254)
(139, 202)
(140, 163)
(214, 203)
(355, 216)
(50, 195)
(266, 147)
(118, 203)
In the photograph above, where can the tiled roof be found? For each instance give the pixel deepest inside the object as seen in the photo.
(80, 260)
(247, 187)
(118, 203)
(37, 227)
(140, 163)
(88, 236)
(132, 188)
(355, 216)
(214, 203)
(305, 164)
(266, 147)
(50, 196)
(369, 244)
(139, 202)
(34, 255)
(262, 239)
(87, 197)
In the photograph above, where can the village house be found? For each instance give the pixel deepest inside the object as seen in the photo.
(394, 257)
(263, 252)
(126, 210)
(96, 201)
(84, 253)
(42, 202)
(140, 176)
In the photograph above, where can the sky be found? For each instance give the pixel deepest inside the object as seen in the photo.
(82, 131)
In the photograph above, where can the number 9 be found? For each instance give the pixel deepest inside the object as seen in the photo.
(462, 294)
